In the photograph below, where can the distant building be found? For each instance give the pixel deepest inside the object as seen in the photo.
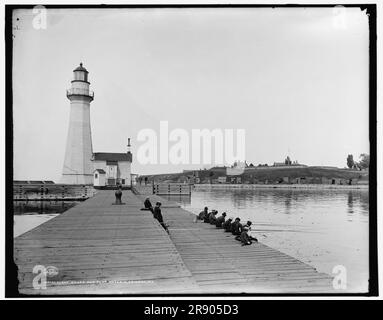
(111, 169)
(221, 179)
(287, 163)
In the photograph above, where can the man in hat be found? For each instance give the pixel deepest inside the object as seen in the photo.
(203, 214)
(248, 226)
(236, 227)
(148, 205)
(220, 220)
(244, 237)
(158, 215)
(212, 218)
(227, 225)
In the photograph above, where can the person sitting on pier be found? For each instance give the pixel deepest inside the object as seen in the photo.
(236, 227)
(148, 205)
(248, 226)
(220, 220)
(244, 237)
(203, 214)
(212, 218)
(206, 217)
(227, 225)
(158, 215)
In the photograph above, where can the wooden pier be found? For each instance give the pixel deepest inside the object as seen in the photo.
(101, 248)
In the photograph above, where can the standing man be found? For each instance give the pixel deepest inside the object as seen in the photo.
(118, 195)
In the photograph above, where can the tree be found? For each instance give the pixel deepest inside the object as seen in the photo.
(364, 161)
(350, 161)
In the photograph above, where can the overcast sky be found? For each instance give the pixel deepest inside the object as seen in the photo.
(295, 79)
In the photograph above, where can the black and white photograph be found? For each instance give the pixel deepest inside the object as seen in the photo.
(191, 150)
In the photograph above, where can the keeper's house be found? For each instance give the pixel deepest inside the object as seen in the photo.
(112, 169)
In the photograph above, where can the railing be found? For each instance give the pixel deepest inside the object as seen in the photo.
(80, 92)
(163, 189)
(172, 189)
(52, 192)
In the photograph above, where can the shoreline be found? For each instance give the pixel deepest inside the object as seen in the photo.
(281, 186)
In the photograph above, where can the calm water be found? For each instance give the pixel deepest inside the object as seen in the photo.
(323, 228)
(30, 214)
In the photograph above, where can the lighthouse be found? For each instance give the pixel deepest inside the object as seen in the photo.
(78, 166)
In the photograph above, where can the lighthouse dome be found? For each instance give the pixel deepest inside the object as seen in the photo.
(80, 68)
(80, 74)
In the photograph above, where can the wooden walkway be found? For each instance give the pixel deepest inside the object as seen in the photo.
(219, 263)
(100, 248)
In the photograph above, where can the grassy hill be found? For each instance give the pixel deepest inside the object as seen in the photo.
(271, 174)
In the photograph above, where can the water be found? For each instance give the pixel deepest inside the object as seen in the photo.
(30, 214)
(323, 228)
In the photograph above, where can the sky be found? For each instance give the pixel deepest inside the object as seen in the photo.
(295, 79)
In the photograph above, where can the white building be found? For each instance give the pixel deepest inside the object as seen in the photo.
(99, 178)
(112, 169)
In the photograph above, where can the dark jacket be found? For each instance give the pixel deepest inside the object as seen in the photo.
(202, 215)
(206, 218)
(157, 214)
(212, 218)
(220, 220)
(227, 225)
(245, 239)
(236, 228)
(148, 204)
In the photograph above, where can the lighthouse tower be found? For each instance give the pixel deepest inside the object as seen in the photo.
(78, 166)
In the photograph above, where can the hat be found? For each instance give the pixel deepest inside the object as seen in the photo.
(224, 214)
(231, 218)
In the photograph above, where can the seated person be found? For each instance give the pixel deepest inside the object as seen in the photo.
(220, 220)
(227, 225)
(158, 215)
(248, 226)
(212, 218)
(203, 214)
(236, 227)
(207, 216)
(244, 237)
(148, 205)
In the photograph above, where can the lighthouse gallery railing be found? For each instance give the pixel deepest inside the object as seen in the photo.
(82, 92)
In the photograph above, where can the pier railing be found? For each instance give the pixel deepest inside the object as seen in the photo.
(164, 188)
(26, 192)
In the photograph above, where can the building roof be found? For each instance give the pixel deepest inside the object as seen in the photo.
(100, 171)
(81, 68)
(108, 156)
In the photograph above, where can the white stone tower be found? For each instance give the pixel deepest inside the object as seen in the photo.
(78, 166)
